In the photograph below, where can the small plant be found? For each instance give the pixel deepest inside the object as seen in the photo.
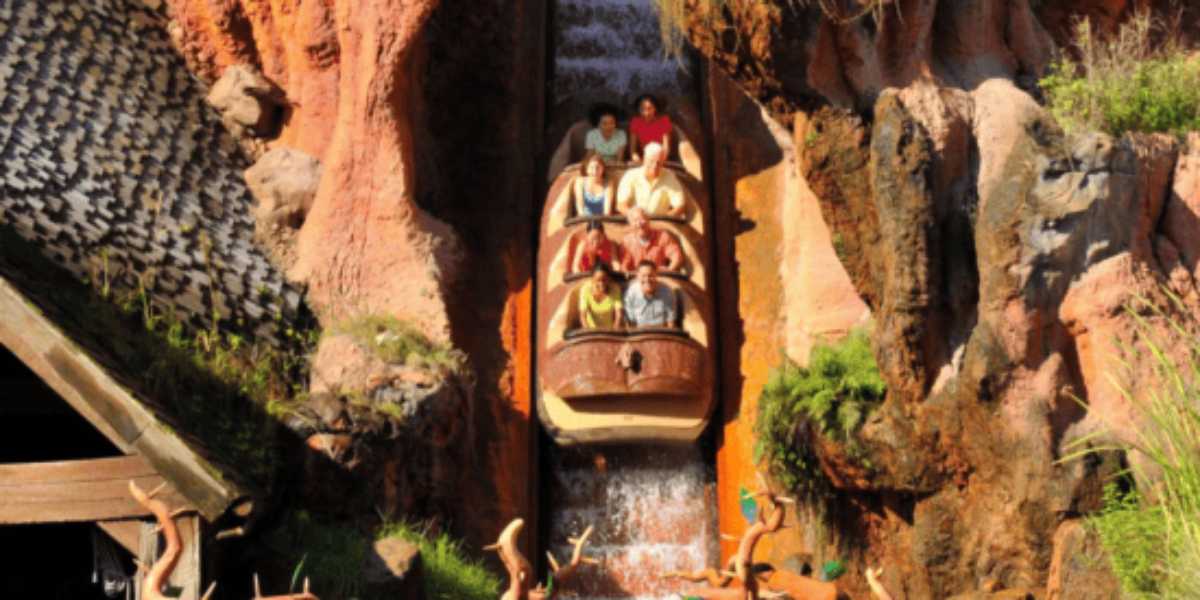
(448, 573)
(1152, 534)
(395, 341)
(330, 556)
(1125, 83)
(830, 397)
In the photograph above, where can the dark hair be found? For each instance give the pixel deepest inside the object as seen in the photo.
(603, 268)
(594, 225)
(637, 104)
(599, 110)
(645, 262)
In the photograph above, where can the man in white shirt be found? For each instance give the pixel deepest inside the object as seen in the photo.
(651, 187)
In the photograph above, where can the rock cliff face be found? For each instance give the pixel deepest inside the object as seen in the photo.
(996, 256)
(425, 119)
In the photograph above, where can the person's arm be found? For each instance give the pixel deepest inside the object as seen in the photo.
(671, 316)
(678, 207)
(583, 305)
(619, 306)
(624, 193)
(610, 197)
(674, 254)
(577, 264)
(577, 189)
(635, 145)
(624, 145)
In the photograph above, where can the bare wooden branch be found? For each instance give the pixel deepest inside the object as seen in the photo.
(158, 573)
(876, 586)
(520, 573)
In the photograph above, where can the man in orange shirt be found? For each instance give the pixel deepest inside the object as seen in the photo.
(646, 243)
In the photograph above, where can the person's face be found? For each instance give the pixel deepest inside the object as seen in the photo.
(647, 109)
(608, 124)
(595, 237)
(637, 221)
(599, 283)
(646, 279)
(595, 168)
(654, 164)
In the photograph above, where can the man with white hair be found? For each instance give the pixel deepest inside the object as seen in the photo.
(651, 187)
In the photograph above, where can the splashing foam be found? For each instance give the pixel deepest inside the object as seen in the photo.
(653, 509)
(612, 47)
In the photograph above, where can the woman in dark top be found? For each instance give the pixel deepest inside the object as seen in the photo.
(650, 125)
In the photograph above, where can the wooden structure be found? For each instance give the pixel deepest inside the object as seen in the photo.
(97, 490)
(585, 394)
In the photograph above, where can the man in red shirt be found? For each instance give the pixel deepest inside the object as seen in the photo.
(646, 243)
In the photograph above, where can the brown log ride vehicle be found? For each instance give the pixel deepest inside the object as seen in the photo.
(623, 385)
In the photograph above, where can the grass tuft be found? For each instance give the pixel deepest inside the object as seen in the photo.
(832, 396)
(449, 573)
(397, 342)
(1152, 533)
(1125, 83)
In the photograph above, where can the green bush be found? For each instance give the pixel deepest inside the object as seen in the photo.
(1125, 84)
(449, 573)
(831, 396)
(1133, 534)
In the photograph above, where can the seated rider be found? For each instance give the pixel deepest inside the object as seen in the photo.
(600, 302)
(604, 138)
(644, 243)
(594, 190)
(647, 302)
(595, 250)
(651, 187)
(650, 125)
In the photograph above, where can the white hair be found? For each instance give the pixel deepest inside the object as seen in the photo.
(653, 149)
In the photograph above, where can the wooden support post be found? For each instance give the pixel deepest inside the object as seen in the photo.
(185, 580)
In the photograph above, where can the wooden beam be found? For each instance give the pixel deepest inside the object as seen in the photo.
(185, 580)
(77, 490)
(109, 406)
(126, 533)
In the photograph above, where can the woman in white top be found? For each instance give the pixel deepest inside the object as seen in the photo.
(604, 138)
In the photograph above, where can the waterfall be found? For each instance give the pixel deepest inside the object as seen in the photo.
(611, 50)
(654, 511)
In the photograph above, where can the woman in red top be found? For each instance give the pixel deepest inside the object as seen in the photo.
(595, 247)
(648, 126)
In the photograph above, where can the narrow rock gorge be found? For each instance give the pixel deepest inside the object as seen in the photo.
(360, 185)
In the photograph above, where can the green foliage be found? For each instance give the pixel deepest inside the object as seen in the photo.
(1125, 84)
(330, 556)
(395, 341)
(449, 573)
(831, 396)
(1133, 534)
(1152, 535)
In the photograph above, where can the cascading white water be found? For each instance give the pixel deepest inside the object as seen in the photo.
(654, 511)
(610, 49)
(653, 507)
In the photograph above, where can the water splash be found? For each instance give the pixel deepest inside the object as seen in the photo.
(654, 510)
(612, 49)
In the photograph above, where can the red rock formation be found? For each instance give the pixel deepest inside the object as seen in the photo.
(348, 71)
(995, 255)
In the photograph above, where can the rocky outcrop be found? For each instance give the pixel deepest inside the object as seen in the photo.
(997, 257)
(347, 72)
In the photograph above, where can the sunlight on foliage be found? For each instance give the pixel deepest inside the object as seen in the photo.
(832, 397)
(1125, 83)
(448, 573)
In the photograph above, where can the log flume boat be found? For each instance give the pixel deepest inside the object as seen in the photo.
(585, 394)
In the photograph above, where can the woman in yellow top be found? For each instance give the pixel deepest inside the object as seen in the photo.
(600, 302)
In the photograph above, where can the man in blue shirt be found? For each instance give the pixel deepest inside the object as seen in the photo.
(648, 304)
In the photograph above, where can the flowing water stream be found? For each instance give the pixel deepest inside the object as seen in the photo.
(653, 507)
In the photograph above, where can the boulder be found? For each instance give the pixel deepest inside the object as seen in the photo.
(1079, 567)
(247, 100)
(392, 569)
(284, 181)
